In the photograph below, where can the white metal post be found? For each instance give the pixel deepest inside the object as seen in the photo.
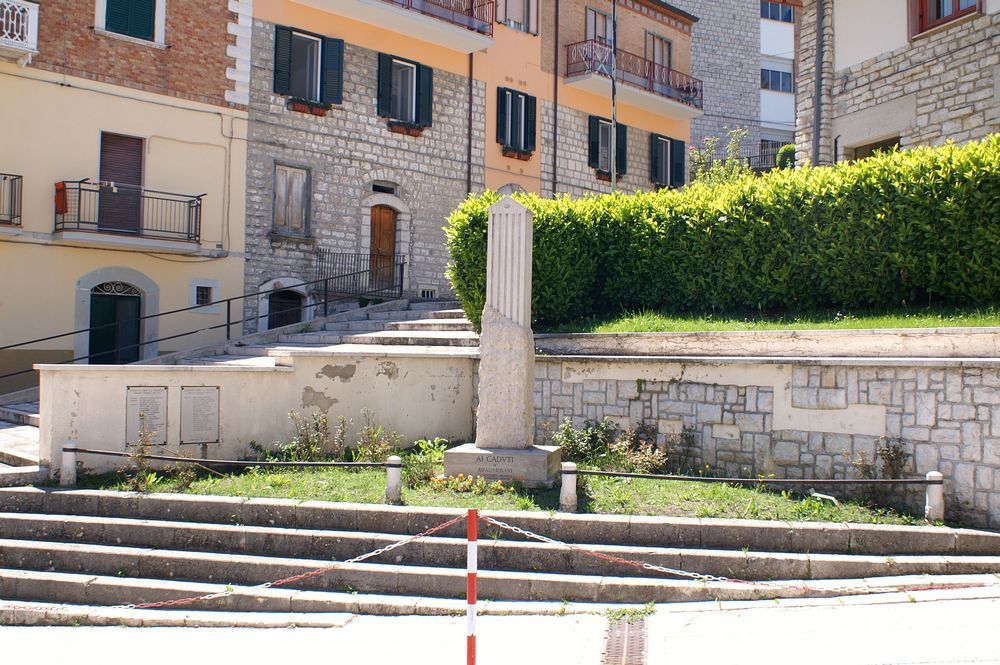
(394, 480)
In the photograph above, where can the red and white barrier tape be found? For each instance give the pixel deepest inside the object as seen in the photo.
(866, 589)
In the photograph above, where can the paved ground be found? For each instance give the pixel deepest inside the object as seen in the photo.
(941, 627)
(23, 438)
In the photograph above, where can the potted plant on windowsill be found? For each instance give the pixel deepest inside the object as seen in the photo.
(516, 153)
(307, 106)
(407, 128)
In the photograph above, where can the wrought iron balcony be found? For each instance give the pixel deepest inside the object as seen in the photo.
(461, 25)
(18, 30)
(108, 207)
(592, 58)
(475, 15)
(10, 199)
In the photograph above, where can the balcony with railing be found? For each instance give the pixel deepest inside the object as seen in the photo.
(462, 25)
(113, 212)
(10, 199)
(18, 30)
(648, 85)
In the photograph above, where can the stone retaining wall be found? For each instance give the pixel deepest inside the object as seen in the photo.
(808, 419)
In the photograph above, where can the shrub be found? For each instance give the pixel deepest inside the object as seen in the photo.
(375, 443)
(601, 445)
(913, 227)
(312, 440)
(785, 159)
(421, 461)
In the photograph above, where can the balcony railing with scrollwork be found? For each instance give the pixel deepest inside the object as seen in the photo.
(108, 207)
(475, 15)
(18, 27)
(593, 56)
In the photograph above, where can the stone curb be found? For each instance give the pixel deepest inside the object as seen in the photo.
(696, 533)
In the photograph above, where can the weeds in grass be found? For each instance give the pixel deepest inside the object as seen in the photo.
(421, 461)
(602, 445)
(375, 443)
(472, 485)
(630, 614)
(311, 441)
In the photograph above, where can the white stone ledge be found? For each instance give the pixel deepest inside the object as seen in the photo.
(153, 369)
(990, 363)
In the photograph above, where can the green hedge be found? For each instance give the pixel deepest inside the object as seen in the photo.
(913, 227)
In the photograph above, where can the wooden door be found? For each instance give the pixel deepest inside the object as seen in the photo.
(383, 247)
(120, 207)
(284, 308)
(114, 323)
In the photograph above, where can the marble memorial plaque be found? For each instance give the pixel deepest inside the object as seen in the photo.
(146, 406)
(200, 414)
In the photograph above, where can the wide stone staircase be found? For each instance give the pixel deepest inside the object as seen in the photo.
(95, 549)
(403, 323)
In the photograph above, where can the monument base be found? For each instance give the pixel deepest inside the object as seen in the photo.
(532, 467)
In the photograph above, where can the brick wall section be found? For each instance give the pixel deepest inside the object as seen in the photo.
(952, 72)
(725, 52)
(346, 151)
(193, 67)
(947, 419)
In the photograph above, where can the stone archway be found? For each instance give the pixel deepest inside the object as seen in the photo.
(149, 304)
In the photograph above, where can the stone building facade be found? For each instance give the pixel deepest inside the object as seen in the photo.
(891, 80)
(354, 163)
(725, 54)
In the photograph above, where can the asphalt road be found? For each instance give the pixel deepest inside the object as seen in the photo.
(938, 628)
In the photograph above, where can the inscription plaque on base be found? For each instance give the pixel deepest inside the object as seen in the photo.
(200, 414)
(146, 405)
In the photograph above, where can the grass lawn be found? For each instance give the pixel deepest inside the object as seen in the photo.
(647, 321)
(602, 495)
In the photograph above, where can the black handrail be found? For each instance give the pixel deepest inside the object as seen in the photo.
(222, 462)
(377, 290)
(761, 481)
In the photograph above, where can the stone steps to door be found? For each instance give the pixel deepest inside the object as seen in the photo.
(415, 338)
(447, 314)
(21, 413)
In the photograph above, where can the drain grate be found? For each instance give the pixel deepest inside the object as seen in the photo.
(625, 643)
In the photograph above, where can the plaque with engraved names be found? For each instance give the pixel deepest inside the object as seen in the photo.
(200, 414)
(146, 407)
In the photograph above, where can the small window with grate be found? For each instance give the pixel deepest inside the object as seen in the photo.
(202, 295)
(384, 188)
(427, 293)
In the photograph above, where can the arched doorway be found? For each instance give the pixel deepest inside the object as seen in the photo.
(115, 328)
(383, 247)
(284, 308)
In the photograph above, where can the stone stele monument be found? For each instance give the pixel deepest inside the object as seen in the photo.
(505, 423)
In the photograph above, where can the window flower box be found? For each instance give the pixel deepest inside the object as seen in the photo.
(523, 155)
(407, 128)
(307, 106)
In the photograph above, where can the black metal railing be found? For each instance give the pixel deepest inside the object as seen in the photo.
(109, 207)
(372, 275)
(476, 15)
(10, 199)
(322, 287)
(593, 56)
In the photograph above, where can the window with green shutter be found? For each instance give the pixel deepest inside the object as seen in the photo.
(135, 18)
(599, 155)
(516, 120)
(405, 90)
(308, 66)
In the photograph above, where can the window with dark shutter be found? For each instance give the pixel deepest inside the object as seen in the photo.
(594, 142)
(659, 160)
(307, 66)
(621, 149)
(600, 146)
(405, 90)
(135, 18)
(515, 120)
(678, 157)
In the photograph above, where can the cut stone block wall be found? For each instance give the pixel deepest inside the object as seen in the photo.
(799, 420)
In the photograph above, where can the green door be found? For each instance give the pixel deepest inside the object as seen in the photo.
(114, 328)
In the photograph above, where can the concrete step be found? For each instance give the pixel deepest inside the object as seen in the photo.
(248, 349)
(356, 326)
(21, 413)
(415, 338)
(312, 338)
(19, 476)
(634, 531)
(424, 325)
(433, 305)
(408, 315)
(495, 554)
(447, 314)
(233, 359)
(393, 579)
